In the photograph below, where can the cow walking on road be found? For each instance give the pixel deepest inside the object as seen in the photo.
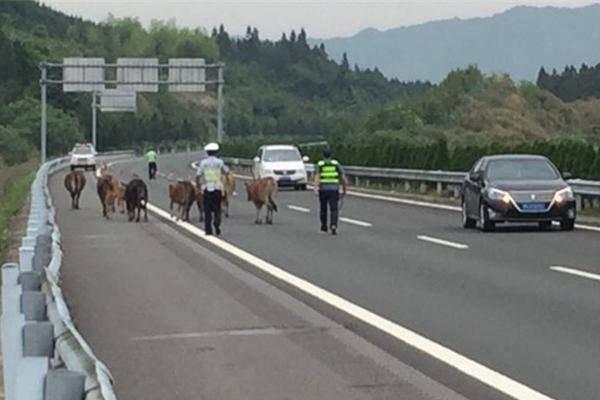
(108, 192)
(262, 192)
(183, 194)
(136, 198)
(74, 183)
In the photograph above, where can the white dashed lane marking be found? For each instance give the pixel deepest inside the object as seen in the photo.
(576, 272)
(298, 208)
(443, 242)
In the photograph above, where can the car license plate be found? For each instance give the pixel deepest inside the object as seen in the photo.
(533, 206)
(284, 178)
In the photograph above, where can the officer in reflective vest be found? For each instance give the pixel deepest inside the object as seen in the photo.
(151, 156)
(208, 177)
(329, 175)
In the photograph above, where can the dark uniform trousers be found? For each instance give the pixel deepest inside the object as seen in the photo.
(212, 210)
(151, 169)
(329, 199)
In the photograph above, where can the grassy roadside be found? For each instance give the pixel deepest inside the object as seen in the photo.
(15, 183)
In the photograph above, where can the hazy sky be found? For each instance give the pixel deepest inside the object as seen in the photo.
(321, 19)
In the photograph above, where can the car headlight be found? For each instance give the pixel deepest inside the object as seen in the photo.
(499, 195)
(563, 195)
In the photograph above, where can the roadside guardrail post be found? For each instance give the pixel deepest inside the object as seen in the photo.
(33, 305)
(62, 384)
(438, 188)
(578, 202)
(38, 339)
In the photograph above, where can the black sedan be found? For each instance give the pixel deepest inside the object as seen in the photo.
(516, 188)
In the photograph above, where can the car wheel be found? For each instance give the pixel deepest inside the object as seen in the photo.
(545, 225)
(484, 219)
(72, 168)
(296, 187)
(303, 186)
(567, 224)
(467, 222)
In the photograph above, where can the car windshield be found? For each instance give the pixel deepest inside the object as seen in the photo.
(281, 155)
(521, 169)
(82, 150)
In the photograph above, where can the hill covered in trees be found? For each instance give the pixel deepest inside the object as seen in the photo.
(284, 87)
(572, 84)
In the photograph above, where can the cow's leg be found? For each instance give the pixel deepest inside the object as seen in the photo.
(138, 211)
(258, 221)
(269, 215)
(76, 200)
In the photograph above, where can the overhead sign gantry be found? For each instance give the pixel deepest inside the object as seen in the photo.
(114, 87)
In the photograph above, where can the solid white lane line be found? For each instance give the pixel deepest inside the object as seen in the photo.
(298, 208)
(576, 272)
(443, 242)
(356, 222)
(467, 366)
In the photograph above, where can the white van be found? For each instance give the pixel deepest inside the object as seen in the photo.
(282, 162)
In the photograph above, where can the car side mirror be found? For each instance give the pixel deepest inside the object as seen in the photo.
(567, 175)
(256, 159)
(305, 159)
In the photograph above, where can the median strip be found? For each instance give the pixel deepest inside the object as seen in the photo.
(576, 272)
(443, 242)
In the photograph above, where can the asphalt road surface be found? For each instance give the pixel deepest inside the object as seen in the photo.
(490, 297)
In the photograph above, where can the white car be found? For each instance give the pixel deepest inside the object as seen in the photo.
(282, 162)
(83, 156)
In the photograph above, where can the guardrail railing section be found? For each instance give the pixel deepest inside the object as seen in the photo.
(44, 356)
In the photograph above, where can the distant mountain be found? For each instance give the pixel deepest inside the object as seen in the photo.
(518, 42)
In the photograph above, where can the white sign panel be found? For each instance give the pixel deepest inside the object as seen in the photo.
(187, 75)
(81, 70)
(137, 74)
(113, 100)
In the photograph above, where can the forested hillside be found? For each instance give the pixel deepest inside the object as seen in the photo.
(572, 84)
(272, 88)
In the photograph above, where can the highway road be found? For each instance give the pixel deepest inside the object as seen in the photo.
(518, 301)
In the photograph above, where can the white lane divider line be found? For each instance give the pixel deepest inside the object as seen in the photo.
(356, 222)
(443, 242)
(446, 355)
(576, 272)
(298, 208)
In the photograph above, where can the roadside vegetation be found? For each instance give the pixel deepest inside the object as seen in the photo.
(15, 182)
(289, 91)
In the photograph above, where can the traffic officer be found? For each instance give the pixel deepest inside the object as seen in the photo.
(151, 156)
(329, 175)
(208, 178)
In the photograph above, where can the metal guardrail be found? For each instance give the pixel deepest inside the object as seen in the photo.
(44, 355)
(584, 189)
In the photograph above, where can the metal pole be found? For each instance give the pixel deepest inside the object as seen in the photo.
(220, 105)
(43, 129)
(94, 117)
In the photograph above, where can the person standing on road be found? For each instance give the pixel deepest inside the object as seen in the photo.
(329, 175)
(151, 156)
(208, 178)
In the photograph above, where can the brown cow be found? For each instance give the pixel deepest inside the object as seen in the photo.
(109, 191)
(262, 192)
(136, 197)
(74, 183)
(228, 190)
(183, 194)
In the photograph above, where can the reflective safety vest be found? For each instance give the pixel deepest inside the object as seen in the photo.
(212, 175)
(151, 156)
(328, 172)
